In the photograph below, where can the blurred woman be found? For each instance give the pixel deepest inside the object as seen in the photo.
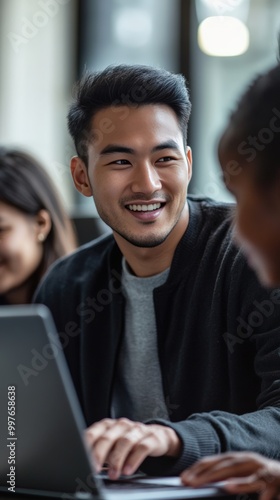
(34, 228)
(249, 154)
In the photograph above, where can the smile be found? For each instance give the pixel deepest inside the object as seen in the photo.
(145, 208)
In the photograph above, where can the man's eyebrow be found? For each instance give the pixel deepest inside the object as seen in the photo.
(116, 148)
(166, 145)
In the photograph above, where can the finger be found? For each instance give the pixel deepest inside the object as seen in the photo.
(266, 481)
(248, 484)
(223, 467)
(233, 457)
(210, 476)
(209, 463)
(148, 446)
(92, 434)
(270, 493)
(202, 465)
(270, 472)
(98, 429)
(218, 472)
(122, 449)
(204, 472)
(154, 440)
(106, 442)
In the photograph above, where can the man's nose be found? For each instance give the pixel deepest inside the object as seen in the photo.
(146, 179)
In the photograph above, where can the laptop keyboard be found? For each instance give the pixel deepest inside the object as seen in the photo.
(128, 485)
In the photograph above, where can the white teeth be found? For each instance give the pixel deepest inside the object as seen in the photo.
(144, 208)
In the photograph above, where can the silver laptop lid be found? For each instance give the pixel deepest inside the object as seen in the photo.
(35, 452)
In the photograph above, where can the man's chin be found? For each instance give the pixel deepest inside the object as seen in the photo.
(151, 243)
(145, 242)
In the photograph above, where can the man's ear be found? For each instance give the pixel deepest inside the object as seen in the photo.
(189, 160)
(80, 176)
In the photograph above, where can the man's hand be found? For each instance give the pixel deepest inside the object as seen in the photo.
(243, 472)
(124, 444)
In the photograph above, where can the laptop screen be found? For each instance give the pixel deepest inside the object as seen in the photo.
(40, 420)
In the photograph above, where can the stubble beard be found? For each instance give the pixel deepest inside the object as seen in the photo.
(151, 241)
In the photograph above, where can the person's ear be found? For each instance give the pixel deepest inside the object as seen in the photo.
(189, 160)
(80, 176)
(43, 225)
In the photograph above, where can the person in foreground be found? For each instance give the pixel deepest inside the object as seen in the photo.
(256, 186)
(34, 230)
(163, 324)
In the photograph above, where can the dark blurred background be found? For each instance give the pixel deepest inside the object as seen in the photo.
(45, 45)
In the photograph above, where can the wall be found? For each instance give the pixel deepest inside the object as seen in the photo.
(37, 48)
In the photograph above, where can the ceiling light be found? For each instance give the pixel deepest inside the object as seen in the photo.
(223, 36)
(222, 27)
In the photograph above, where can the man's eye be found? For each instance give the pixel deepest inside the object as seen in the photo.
(121, 162)
(165, 159)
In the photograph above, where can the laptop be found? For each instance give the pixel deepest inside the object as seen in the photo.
(42, 447)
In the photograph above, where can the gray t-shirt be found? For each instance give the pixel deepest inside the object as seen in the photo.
(137, 392)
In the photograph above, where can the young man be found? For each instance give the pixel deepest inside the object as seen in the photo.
(171, 342)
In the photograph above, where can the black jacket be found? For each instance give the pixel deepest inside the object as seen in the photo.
(218, 338)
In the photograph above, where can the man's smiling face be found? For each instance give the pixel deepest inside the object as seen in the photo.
(138, 173)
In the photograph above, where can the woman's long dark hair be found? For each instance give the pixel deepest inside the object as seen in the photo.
(26, 186)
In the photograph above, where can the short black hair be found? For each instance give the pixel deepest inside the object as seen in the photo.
(125, 85)
(252, 135)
